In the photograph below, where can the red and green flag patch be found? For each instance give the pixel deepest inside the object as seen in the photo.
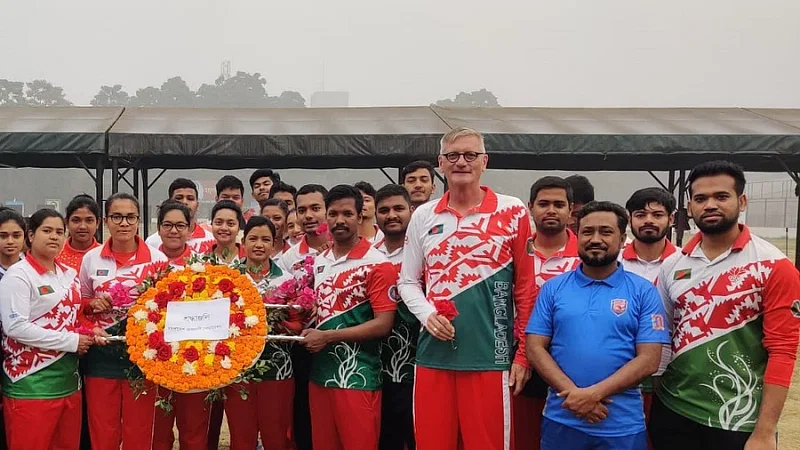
(796, 309)
(437, 229)
(44, 290)
(683, 274)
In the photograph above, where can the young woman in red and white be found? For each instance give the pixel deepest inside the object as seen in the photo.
(173, 230)
(116, 415)
(83, 217)
(12, 239)
(269, 407)
(226, 222)
(277, 211)
(40, 305)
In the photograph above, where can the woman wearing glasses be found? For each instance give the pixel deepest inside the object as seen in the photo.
(116, 414)
(173, 230)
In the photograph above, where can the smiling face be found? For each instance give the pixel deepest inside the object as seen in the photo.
(48, 240)
(12, 239)
(258, 244)
(174, 230)
(310, 211)
(461, 172)
(599, 239)
(275, 215)
(393, 214)
(293, 228)
(714, 204)
(343, 219)
(650, 224)
(225, 227)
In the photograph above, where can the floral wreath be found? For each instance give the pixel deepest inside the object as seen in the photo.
(197, 365)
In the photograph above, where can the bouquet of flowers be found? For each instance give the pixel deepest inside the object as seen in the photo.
(290, 305)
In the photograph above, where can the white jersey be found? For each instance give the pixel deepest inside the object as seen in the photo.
(200, 240)
(294, 256)
(645, 269)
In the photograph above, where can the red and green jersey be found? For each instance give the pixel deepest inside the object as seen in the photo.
(481, 262)
(350, 290)
(733, 330)
(40, 314)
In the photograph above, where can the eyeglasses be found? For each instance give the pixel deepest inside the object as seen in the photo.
(468, 156)
(117, 219)
(180, 226)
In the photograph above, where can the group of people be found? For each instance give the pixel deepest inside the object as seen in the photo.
(472, 321)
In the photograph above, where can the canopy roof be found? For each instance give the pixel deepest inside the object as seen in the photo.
(55, 136)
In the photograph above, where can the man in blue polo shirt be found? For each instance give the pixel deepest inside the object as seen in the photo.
(594, 335)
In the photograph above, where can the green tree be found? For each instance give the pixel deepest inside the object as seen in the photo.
(12, 93)
(242, 90)
(474, 99)
(289, 99)
(43, 93)
(176, 93)
(111, 96)
(149, 96)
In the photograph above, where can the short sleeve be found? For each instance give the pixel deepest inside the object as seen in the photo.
(382, 287)
(653, 327)
(541, 321)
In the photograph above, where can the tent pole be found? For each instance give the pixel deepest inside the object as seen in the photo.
(98, 186)
(145, 204)
(682, 215)
(660, 183)
(399, 172)
(386, 174)
(671, 186)
(114, 176)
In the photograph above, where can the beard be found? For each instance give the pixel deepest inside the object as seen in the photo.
(598, 261)
(549, 228)
(649, 238)
(723, 226)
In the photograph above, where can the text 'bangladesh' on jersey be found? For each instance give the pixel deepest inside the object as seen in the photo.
(734, 329)
(350, 290)
(480, 262)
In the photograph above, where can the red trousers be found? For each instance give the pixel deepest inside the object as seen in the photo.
(475, 406)
(37, 424)
(215, 425)
(269, 409)
(344, 419)
(116, 417)
(191, 412)
(527, 420)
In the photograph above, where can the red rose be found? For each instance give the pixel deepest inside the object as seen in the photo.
(446, 309)
(234, 297)
(162, 298)
(164, 352)
(191, 354)
(238, 319)
(225, 285)
(176, 289)
(154, 316)
(198, 284)
(222, 349)
(155, 340)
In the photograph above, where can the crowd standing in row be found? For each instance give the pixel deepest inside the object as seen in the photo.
(440, 324)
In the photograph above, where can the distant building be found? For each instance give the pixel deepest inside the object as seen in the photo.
(330, 99)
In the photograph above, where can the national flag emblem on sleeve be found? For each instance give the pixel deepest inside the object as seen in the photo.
(44, 290)
(796, 309)
(683, 274)
(658, 322)
(102, 272)
(436, 229)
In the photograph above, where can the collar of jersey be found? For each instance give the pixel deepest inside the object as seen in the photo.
(359, 251)
(72, 249)
(614, 280)
(629, 253)
(738, 244)
(487, 206)
(38, 267)
(187, 252)
(569, 251)
(381, 246)
(142, 252)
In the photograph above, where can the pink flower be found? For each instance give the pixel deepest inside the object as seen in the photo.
(446, 309)
(120, 295)
(322, 229)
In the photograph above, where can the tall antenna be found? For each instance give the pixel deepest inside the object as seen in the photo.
(225, 71)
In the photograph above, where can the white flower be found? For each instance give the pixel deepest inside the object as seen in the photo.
(140, 315)
(176, 346)
(150, 354)
(150, 328)
(240, 303)
(212, 346)
(198, 267)
(151, 305)
(225, 363)
(251, 321)
(234, 331)
(188, 368)
(217, 294)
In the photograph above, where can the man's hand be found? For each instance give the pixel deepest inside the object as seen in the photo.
(315, 340)
(84, 342)
(581, 401)
(761, 441)
(100, 336)
(598, 414)
(440, 328)
(101, 304)
(518, 377)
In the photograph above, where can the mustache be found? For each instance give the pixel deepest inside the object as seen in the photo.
(596, 247)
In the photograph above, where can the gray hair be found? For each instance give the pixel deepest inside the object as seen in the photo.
(459, 132)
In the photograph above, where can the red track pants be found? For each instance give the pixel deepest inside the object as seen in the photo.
(191, 412)
(36, 424)
(475, 406)
(269, 409)
(527, 422)
(344, 419)
(115, 416)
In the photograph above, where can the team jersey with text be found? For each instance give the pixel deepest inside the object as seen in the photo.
(200, 240)
(480, 262)
(99, 272)
(399, 350)
(735, 323)
(40, 315)
(73, 257)
(350, 290)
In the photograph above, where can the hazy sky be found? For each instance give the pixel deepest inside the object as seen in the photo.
(529, 53)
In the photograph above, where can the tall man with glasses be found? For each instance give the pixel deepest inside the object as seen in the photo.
(471, 246)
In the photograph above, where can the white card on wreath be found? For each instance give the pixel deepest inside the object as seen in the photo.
(198, 320)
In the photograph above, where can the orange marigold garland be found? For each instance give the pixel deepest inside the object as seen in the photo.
(192, 366)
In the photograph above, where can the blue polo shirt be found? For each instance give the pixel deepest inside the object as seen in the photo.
(594, 326)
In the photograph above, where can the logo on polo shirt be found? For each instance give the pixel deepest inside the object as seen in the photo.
(394, 294)
(619, 306)
(658, 322)
(44, 290)
(320, 269)
(437, 229)
(529, 247)
(796, 309)
(102, 272)
(683, 274)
